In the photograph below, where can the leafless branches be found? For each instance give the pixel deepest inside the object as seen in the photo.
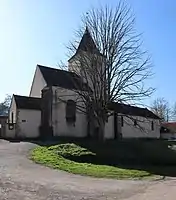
(162, 108)
(115, 68)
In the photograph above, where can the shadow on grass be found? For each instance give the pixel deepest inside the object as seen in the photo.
(155, 156)
(38, 141)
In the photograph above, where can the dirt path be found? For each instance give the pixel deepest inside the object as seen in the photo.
(21, 179)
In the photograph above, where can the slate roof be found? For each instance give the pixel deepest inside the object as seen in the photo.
(87, 43)
(24, 102)
(132, 110)
(62, 78)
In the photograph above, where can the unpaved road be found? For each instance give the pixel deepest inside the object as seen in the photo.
(21, 179)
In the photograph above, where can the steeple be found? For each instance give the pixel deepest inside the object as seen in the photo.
(87, 55)
(87, 43)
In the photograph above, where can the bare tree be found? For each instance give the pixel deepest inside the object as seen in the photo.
(173, 112)
(161, 108)
(110, 61)
(4, 106)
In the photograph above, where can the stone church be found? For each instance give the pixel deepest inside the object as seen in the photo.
(51, 107)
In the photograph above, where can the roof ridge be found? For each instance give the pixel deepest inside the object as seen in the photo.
(45, 66)
(131, 106)
(52, 68)
(133, 110)
(62, 78)
(16, 95)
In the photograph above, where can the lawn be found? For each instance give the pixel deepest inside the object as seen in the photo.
(125, 159)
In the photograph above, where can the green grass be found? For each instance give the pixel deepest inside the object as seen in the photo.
(62, 157)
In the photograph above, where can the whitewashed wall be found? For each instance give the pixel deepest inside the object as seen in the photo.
(109, 128)
(9, 133)
(12, 109)
(30, 127)
(38, 84)
(131, 131)
(60, 126)
(74, 65)
(85, 59)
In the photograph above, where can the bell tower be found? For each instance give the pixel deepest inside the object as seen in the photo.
(87, 60)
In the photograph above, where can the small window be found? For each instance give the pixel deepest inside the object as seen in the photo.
(12, 117)
(135, 122)
(152, 126)
(70, 111)
(122, 121)
(23, 120)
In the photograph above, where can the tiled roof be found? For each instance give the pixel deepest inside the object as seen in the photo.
(170, 126)
(24, 102)
(132, 110)
(173, 124)
(62, 78)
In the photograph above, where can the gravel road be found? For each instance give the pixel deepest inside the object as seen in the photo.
(21, 179)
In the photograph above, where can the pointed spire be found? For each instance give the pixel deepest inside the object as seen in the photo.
(87, 43)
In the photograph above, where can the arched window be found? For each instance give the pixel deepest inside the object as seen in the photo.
(71, 111)
(152, 126)
(12, 118)
(122, 121)
(135, 122)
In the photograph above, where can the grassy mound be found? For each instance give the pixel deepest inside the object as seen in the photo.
(63, 157)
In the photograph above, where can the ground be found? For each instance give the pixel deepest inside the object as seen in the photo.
(22, 179)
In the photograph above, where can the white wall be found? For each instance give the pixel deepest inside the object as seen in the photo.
(38, 84)
(82, 64)
(30, 127)
(109, 128)
(131, 131)
(60, 126)
(12, 109)
(74, 65)
(9, 133)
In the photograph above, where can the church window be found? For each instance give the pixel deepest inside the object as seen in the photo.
(12, 117)
(71, 111)
(152, 126)
(135, 122)
(122, 121)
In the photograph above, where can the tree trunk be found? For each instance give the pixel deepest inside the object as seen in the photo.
(101, 130)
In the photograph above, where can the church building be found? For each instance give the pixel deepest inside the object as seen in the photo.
(51, 107)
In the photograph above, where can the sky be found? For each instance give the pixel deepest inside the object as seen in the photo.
(37, 32)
